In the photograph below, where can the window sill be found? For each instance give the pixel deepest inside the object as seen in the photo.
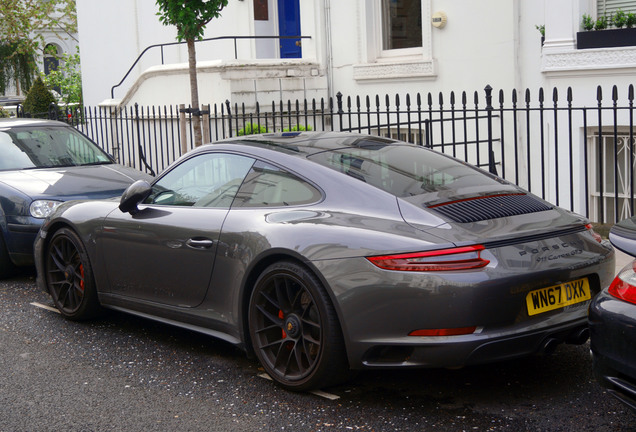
(395, 69)
(557, 61)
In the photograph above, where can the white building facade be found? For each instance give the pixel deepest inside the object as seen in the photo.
(387, 48)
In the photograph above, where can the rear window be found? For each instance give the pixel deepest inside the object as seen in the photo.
(404, 170)
(47, 147)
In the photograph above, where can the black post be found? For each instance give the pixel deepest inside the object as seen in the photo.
(491, 154)
(340, 111)
(142, 157)
(229, 115)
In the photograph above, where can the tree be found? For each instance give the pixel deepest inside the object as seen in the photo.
(67, 78)
(190, 17)
(38, 99)
(21, 40)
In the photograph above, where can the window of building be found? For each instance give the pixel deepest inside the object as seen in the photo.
(399, 41)
(608, 200)
(401, 24)
(609, 7)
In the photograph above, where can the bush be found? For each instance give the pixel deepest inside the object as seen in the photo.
(601, 23)
(588, 23)
(619, 19)
(38, 100)
(630, 20)
(251, 129)
(298, 128)
(4, 113)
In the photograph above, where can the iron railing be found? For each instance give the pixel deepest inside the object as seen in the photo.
(577, 157)
(218, 38)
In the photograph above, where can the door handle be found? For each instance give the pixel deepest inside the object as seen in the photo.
(298, 43)
(200, 243)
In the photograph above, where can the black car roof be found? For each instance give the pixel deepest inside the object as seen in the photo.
(309, 143)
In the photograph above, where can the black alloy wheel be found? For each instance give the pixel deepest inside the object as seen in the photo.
(69, 276)
(294, 329)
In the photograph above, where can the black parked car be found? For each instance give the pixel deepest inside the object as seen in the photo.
(613, 323)
(42, 164)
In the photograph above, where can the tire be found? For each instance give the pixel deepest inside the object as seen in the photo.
(294, 329)
(69, 277)
(7, 268)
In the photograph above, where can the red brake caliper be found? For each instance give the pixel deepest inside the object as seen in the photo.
(281, 316)
(82, 273)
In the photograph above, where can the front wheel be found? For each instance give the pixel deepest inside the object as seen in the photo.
(69, 276)
(294, 329)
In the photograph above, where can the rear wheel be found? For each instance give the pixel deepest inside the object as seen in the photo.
(69, 276)
(295, 330)
(6, 265)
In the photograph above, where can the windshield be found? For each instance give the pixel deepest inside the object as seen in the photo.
(47, 147)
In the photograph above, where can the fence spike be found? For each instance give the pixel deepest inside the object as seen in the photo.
(615, 94)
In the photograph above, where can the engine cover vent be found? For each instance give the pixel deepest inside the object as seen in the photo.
(490, 207)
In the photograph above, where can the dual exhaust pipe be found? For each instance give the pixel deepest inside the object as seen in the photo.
(576, 337)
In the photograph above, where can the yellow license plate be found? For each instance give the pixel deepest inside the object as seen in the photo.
(558, 296)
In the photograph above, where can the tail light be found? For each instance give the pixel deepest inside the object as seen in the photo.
(461, 258)
(596, 236)
(624, 285)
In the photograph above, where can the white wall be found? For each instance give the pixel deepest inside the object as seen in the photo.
(112, 37)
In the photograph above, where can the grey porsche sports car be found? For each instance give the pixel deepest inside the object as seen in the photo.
(324, 253)
(42, 164)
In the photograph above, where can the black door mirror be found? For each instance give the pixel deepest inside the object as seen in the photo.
(134, 195)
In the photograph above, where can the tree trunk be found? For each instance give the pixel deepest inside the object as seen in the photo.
(194, 93)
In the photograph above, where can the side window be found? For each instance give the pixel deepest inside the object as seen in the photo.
(269, 186)
(207, 180)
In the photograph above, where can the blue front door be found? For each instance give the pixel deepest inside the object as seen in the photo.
(289, 25)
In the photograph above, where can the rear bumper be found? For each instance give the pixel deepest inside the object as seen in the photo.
(459, 351)
(613, 345)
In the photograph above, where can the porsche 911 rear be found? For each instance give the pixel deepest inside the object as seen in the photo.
(472, 304)
(499, 274)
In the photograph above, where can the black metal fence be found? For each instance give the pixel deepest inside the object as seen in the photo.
(578, 157)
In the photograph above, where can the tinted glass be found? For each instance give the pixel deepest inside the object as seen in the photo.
(403, 170)
(401, 24)
(46, 147)
(207, 180)
(269, 186)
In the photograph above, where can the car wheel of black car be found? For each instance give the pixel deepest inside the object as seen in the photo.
(69, 276)
(295, 330)
(6, 266)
